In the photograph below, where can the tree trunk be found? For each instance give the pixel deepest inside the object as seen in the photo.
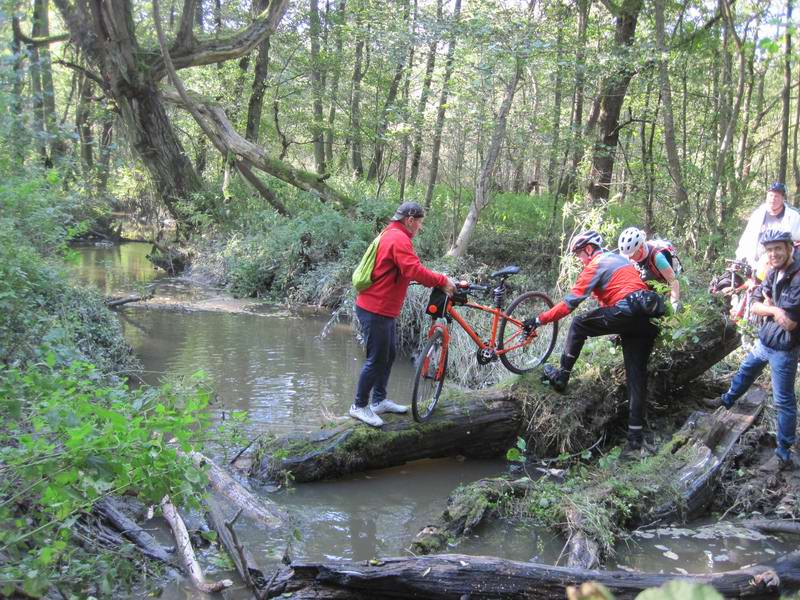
(355, 103)
(483, 184)
(256, 104)
(437, 134)
(786, 95)
(41, 13)
(552, 165)
(104, 159)
(317, 127)
(673, 162)
(459, 576)
(105, 33)
(383, 119)
(337, 72)
(430, 64)
(487, 422)
(83, 124)
(35, 68)
(18, 136)
(612, 97)
(567, 186)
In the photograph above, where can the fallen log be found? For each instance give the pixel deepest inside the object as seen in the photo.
(117, 302)
(186, 552)
(774, 526)
(487, 422)
(245, 563)
(592, 508)
(456, 576)
(260, 509)
(145, 542)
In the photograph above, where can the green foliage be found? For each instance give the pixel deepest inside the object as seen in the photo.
(68, 440)
(517, 453)
(681, 590)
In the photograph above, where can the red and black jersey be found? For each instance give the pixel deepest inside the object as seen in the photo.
(610, 277)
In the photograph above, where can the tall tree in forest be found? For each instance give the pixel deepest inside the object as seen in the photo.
(612, 97)
(552, 170)
(482, 185)
(255, 105)
(339, 24)
(437, 134)
(317, 126)
(786, 95)
(391, 97)
(575, 147)
(403, 167)
(673, 161)
(130, 72)
(359, 68)
(430, 64)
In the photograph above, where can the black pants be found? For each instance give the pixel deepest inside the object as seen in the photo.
(637, 334)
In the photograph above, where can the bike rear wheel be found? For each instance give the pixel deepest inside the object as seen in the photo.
(532, 351)
(429, 377)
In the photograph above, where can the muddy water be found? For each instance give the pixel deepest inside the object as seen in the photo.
(273, 365)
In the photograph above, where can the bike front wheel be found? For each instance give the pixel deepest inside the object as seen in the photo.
(518, 352)
(429, 377)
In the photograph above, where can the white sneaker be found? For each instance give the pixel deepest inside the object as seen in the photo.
(387, 405)
(365, 414)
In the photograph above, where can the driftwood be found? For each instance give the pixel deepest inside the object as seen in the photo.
(456, 576)
(245, 563)
(260, 509)
(186, 552)
(774, 526)
(145, 542)
(487, 422)
(680, 481)
(170, 259)
(116, 302)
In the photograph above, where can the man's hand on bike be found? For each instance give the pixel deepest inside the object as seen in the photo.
(449, 288)
(530, 325)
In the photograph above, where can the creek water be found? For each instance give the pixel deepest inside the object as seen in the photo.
(273, 364)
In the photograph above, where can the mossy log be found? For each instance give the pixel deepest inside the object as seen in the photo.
(486, 423)
(456, 576)
(678, 480)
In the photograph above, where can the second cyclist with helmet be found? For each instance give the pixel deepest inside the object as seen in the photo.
(656, 261)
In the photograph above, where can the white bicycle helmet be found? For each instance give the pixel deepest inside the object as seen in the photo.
(630, 241)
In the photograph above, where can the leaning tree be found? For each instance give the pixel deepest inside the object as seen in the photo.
(129, 70)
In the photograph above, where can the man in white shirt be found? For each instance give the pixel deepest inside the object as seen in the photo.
(773, 214)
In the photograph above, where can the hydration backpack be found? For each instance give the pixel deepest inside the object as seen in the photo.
(665, 247)
(362, 276)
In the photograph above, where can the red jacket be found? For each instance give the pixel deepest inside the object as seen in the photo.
(610, 277)
(396, 265)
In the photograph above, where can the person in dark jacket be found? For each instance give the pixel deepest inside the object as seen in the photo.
(626, 305)
(778, 300)
(377, 307)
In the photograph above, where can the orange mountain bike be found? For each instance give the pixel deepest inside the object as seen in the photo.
(518, 348)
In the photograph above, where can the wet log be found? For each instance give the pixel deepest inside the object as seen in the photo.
(145, 542)
(170, 259)
(774, 526)
(486, 423)
(117, 302)
(678, 481)
(245, 563)
(186, 552)
(457, 576)
(260, 509)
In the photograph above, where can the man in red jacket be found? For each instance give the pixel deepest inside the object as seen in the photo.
(377, 307)
(626, 305)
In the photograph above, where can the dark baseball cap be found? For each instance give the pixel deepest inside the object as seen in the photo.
(408, 209)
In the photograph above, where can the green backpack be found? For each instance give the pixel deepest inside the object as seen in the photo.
(362, 276)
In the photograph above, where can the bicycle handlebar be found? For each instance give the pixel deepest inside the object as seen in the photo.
(472, 287)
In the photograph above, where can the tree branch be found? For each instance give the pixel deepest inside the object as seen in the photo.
(223, 48)
(36, 41)
(93, 76)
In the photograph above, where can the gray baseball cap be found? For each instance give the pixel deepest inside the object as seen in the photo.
(408, 209)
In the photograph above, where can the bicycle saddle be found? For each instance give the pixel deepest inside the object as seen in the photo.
(506, 271)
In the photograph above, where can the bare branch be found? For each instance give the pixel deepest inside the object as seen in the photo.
(91, 75)
(224, 48)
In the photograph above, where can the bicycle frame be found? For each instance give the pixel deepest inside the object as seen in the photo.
(491, 344)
